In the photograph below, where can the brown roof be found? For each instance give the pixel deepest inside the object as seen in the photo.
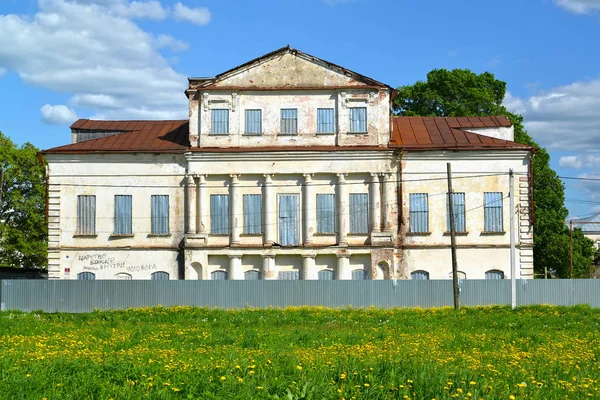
(138, 136)
(409, 133)
(433, 133)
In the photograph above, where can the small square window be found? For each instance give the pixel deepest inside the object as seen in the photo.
(289, 121)
(219, 121)
(358, 120)
(253, 124)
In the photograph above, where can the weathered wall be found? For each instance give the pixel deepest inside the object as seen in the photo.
(474, 173)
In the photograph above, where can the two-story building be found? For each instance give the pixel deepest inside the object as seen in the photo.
(289, 167)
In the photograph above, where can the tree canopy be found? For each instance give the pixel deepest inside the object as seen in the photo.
(23, 228)
(461, 93)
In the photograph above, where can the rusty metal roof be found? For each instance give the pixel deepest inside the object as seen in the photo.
(408, 133)
(137, 136)
(436, 133)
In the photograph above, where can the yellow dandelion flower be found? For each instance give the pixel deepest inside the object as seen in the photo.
(472, 383)
(299, 367)
(175, 389)
(259, 387)
(367, 385)
(511, 397)
(223, 378)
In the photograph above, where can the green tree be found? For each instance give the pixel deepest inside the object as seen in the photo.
(460, 93)
(23, 228)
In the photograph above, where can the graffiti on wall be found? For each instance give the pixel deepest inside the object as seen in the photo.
(103, 262)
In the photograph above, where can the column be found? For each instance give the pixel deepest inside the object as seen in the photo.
(202, 205)
(235, 219)
(269, 211)
(343, 267)
(310, 211)
(309, 271)
(190, 192)
(375, 204)
(388, 201)
(269, 272)
(235, 267)
(343, 219)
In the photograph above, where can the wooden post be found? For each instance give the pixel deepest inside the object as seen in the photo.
(452, 237)
(571, 244)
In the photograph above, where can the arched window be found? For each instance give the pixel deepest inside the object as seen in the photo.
(419, 275)
(359, 275)
(461, 275)
(494, 274)
(252, 275)
(218, 276)
(160, 276)
(326, 275)
(86, 276)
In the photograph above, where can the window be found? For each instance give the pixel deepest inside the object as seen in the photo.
(218, 276)
(288, 219)
(325, 213)
(419, 275)
(86, 276)
(325, 120)
(289, 121)
(122, 215)
(494, 274)
(252, 214)
(459, 212)
(252, 275)
(86, 215)
(326, 275)
(219, 214)
(359, 213)
(419, 212)
(253, 124)
(159, 205)
(359, 275)
(358, 120)
(219, 121)
(289, 275)
(160, 276)
(492, 212)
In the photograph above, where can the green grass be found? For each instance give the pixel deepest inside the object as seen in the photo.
(295, 353)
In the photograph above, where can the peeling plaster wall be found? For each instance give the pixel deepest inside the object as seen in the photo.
(474, 173)
(105, 176)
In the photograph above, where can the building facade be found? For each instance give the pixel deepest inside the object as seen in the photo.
(289, 167)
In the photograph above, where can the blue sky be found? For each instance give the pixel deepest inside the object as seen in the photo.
(123, 59)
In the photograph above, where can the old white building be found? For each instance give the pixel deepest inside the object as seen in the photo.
(289, 167)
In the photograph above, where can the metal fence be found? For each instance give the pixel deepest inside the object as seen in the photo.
(84, 296)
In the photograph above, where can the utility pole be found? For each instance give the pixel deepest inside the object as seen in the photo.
(513, 267)
(571, 244)
(452, 237)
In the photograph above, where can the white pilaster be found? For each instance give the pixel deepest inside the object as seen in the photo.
(235, 267)
(235, 219)
(343, 267)
(269, 211)
(190, 191)
(388, 201)
(309, 270)
(269, 272)
(202, 206)
(343, 213)
(375, 203)
(310, 211)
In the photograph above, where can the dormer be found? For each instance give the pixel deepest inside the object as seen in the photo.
(288, 98)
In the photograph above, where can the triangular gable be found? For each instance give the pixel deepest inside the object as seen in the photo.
(286, 68)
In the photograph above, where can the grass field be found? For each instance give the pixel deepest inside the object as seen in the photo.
(296, 353)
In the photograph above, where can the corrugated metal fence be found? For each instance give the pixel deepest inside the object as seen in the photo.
(83, 296)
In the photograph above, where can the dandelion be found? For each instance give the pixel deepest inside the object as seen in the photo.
(472, 383)
(511, 397)
(299, 367)
(367, 385)
(223, 378)
(175, 389)
(259, 387)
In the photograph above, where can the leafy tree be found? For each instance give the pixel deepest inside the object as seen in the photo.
(460, 93)
(23, 228)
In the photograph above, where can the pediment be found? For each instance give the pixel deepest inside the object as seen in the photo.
(289, 68)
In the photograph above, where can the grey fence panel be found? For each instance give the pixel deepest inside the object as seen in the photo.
(85, 296)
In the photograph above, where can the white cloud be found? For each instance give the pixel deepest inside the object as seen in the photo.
(198, 15)
(579, 6)
(94, 51)
(58, 115)
(168, 41)
(570, 162)
(563, 118)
